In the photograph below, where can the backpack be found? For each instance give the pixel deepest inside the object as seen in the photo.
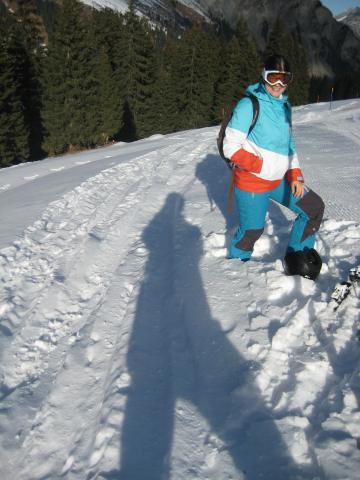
(226, 120)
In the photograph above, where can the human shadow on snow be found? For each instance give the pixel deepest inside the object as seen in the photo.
(178, 350)
(344, 366)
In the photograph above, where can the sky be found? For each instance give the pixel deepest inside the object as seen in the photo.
(339, 6)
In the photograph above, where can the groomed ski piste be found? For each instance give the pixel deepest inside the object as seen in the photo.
(132, 349)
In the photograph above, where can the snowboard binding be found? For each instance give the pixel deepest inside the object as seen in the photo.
(354, 274)
(343, 289)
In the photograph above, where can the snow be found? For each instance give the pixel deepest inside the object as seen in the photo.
(122, 5)
(132, 348)
(341, 19)
(118, 5)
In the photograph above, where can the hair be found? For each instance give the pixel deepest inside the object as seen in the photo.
(277, 62)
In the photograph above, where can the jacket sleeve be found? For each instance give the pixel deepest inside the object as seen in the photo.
(294, 174)
(235, 137)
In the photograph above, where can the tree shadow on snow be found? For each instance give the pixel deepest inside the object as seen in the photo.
(178, 350)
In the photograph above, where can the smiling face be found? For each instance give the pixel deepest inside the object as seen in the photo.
(275, 90)
(276, 75)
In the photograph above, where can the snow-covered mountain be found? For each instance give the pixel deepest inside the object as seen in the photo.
(351, 18)
(122, 5)
(170, 12)
(131, 348)
(119, 5)
(331, 48)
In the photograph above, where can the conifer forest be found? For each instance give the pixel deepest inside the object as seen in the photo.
(72, 77)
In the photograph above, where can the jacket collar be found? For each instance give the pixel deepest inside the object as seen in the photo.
(259, 90)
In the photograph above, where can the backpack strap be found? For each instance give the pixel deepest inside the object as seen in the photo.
(256, 110)
(227, 118)
(230, 197)
(221, 136)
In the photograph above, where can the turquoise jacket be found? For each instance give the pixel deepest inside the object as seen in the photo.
(271, 141)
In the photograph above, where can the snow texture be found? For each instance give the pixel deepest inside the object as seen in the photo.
(122, 5)
(132, 349)
(119, 5)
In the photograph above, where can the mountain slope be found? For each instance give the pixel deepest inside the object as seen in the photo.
(178, 13)
(332, 47)
(125, 333)
(351, 18)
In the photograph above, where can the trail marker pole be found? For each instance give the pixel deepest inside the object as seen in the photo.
(331, 97)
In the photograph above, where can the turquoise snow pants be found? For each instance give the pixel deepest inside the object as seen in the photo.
(252, 208)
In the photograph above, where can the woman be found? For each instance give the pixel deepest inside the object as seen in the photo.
(267, 168)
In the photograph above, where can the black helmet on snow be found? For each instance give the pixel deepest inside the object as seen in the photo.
(306, 263)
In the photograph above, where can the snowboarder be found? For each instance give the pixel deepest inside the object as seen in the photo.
(267, 168)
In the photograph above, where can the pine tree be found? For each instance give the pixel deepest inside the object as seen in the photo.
(284, 43)
(48, 11)
(250, 60)
(145, 78)
(109, 108)
(228, 85)
(140, 67)
(164, 97)
(213, 47)
(14, 136)
(241, 67)
(34, 38)
(32, 25)
(70, 84)
(3, 10)
(196, 74)
(162, 102)
(109, 28)
(276, 44)
(299, 89)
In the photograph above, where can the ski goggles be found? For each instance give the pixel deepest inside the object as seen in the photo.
(275, 77)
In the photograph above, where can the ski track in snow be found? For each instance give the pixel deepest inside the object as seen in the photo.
(132, 348)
